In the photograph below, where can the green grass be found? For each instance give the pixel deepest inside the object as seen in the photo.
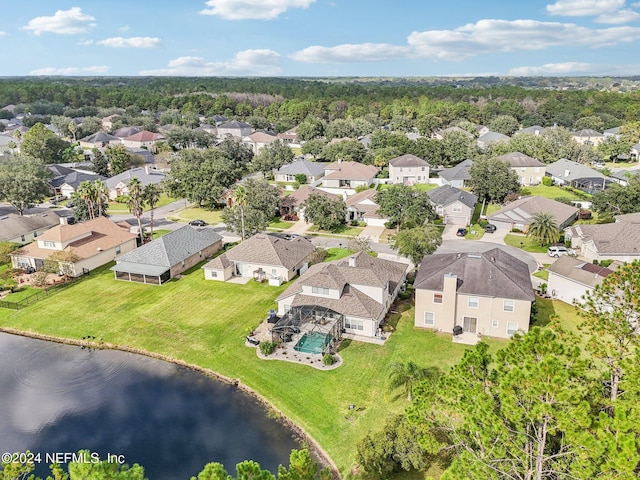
(345, 230)
(204, 323)
(26, 291)
(118, 208)
(567, 314)
(620, 164)
(337, 254)
(491, 208)
(159, 233)
(544, 273)
(278, 224)
(424, 187)
(474, 228)
(192, 213)
(528, 244)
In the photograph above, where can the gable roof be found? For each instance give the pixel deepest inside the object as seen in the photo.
(266, 249)
(494, 273)
(569, 170)
(535, 129)
(459, 172)
(524, 209)
(446, 195)
(350, 171)
(579, 271)
(408, 160)
(446, 131)
(628, 218)
(261, 137)
(170, 249)
(518, 159)
(14, 225)
(300, 195)
(611, 238)
(304, 167)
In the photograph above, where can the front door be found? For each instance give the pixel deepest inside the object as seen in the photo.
(469, 324)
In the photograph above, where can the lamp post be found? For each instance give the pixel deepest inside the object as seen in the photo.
(521, 245)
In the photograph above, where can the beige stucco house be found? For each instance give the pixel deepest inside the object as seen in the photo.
(362, 207)
(94, 242)
(408, 170)
(520, 213)
(530, 170)
(26, 228)
(611, 241)
(455, 206)
(263, 257)
(348, 175)
(570, 279)
(473, 294)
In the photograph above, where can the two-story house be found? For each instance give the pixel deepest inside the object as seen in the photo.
(92, 243)
(473, 294)
(360, 288)
(530, 170)
(408, 170)
(455, 206)
(234, 128)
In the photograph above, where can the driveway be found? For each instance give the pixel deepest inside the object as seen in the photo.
(495, 237)
(449, 233)
(299, 228)
(372, 232)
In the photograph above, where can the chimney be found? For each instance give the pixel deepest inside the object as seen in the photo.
(64, 221)
(352, 261)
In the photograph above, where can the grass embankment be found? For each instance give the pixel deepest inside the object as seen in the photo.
(544, 273)
(204, 323)
(528, 244)
(343, 231)
(116, 208)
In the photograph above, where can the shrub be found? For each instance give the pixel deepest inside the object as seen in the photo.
(547, 181)
(267, 348)
(584, 215)
(328, 359)
(516, 230)
(604, 263)
(565, 200)
(301, 178)
(483, 222)
(362, 188)
(291, 217)
(512, 197)
(121, 199)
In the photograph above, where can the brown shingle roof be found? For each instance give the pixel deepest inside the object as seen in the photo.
(301, 194)
(350, 171)
(517, 159)
(523, 210)
(408, 160)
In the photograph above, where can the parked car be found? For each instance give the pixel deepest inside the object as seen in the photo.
(490, 228)
(461, 232)
(197, 223)
(558, 250)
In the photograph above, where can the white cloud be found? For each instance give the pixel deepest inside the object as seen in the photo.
(583, 8)
(97, 69)
(85, 42)
(484, 36)
(132, 42)
(124, 28)
(347, 53)
(246, 62)
(552, 69)
(252, 9)
(621, 16)
(65, 22)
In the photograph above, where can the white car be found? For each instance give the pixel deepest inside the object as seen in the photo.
(558, 250)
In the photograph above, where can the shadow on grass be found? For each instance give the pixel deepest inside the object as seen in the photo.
(545, 312)
(344, 344)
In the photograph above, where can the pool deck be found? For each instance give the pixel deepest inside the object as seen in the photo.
(288, 354)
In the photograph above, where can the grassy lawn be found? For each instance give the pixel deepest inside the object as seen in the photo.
(424, 187)
(204, 323)
(479, 232)
(568, 314)
(118, 208)
(544, 273)
(620, 164)
(278, 224)
(528, 244)
(491, 209)
(159, 233)
(345, 230)
(337, 254)
(192, 213)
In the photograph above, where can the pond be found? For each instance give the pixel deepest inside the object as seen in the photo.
(171, 420)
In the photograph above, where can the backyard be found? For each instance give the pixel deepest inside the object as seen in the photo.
(204, 323)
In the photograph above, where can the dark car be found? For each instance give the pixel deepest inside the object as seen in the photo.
(490, 228)
(197, 223)
(461, 232)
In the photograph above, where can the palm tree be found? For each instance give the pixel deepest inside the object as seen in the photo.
(544, 228)
(407, 375)
(86, 191)
(151, 195)
(101, 193)
(240, 198)
(135, 203)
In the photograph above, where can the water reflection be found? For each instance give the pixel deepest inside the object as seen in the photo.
(59, 398)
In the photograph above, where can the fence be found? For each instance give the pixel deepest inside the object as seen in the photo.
(37, 296)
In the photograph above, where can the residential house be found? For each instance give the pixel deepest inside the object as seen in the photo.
(612, 132)
(588, 136)
(530, 170)
(263, 256)
(125, 132)
(533, 130)
(571, 279)
(219, 119)
(94, 243)
(290, 137)
(362, 207)
(119, 184)
(455, 206)
(576, 175)
(293, 203)
(611, 241)
(628, 218)
(634, 153)
(234, 128)
(457, 176)
(348, 175)
(99, 140)
(143, 139)
(107, 122)
(408, 169)
(258, 140)
(314, 171)
(473, 294)
(517, 215)
(66, 185)
(491, 138)
(441, 133)
(166, 257)
(25, 229)
(360, 288)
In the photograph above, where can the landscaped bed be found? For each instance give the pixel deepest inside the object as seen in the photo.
(205, 323)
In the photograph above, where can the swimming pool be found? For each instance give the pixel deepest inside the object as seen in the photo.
(313, 342)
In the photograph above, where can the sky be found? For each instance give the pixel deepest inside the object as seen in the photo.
(319, 38)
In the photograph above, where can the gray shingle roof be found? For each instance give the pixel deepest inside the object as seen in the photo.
(13, 225)
(99, 137)
(446, 195)
(305, 167)
(579, 271)
(523, 210)
(517, 159)
(493, 137)
(153, 177)
(459, 172)
(235, 124)
(493, 273)
(569, 170)
(408, 160)
(612, 238)
(172, 248)
(74, 179)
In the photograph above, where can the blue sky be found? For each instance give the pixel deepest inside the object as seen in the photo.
(320, 37)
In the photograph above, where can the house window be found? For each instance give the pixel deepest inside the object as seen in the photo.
(320, 291)
(274, 271)
(118, 250)
(456, 209)
(437, 297)
(472, 302)
(49, 244)
(494, 323)
(286, 308)
(354, 323)
(422, 169)
(22, 238)
(523, 170)
(509, 305)
(469, 324)
(429, 319)
(213, 273)
(512, 327)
